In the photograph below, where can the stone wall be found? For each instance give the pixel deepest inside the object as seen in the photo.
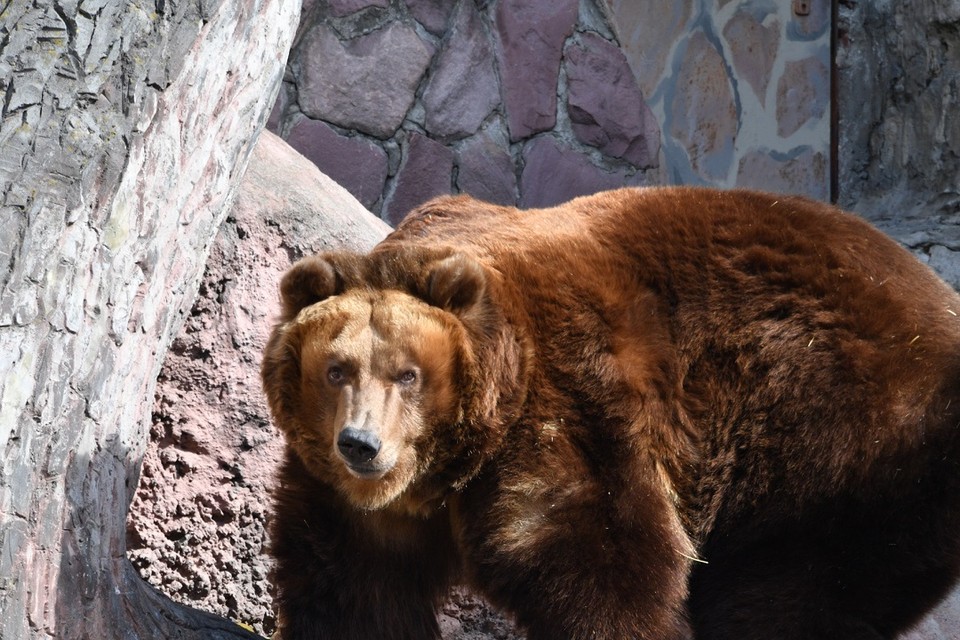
(402, 101)
(533, 102)
(899, 86)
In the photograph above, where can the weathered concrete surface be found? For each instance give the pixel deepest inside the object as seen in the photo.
(124, 135)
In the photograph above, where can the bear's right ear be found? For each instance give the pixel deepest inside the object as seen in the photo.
(308, 281)
(456, 283)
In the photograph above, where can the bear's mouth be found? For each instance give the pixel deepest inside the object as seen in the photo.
(367, 471)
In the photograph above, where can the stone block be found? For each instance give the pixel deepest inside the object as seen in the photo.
(340, 8)
(553, 173)
(803, 94)
(425, 172)
(486, 169)
(753, 47)
(367, 83)
(462, 89)
(355, 163)
(606, 107)
(531, 34)
(432, 14)
(648, 31)
(702, 112)
(803, 172)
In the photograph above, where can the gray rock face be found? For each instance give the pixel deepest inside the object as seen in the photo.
(356, 163)
(462, 90)
(346, 7)
(531, 35)
(124, 135)
(352, 84)
(605, 104)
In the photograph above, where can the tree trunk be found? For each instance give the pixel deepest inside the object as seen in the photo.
(125, 129)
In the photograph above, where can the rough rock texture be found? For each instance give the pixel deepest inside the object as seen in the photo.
(531, 35)
(554, 173)
(605, 105)
(803, 94)
(424, 173)
(492, 67)
(354, 162)
(124, 134)
(753, 47)
(462, 90)
(703, 117)
(197, 523)
(726, 84)
(351, 84)
(899, 69)
(486, 167)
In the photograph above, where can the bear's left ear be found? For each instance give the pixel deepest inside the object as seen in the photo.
(315, 278)
(456, 283)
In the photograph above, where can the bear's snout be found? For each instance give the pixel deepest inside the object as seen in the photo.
(358, 446)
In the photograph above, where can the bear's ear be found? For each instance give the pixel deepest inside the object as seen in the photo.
(308, 281)
(456, 283)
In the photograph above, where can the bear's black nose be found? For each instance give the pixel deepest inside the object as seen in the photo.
(358, 445)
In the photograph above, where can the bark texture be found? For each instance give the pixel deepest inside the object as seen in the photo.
(125, 129)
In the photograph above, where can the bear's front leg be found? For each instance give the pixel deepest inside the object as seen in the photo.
(572, 557)
(342, 574)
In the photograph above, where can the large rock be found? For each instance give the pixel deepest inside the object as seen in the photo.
(425, 172)
(367, 83)
(355, 162)
(606, 107)
(462, 89)
(554, 173)
(198, 522)
(531, 36)
(703, 113)
(124, 135)
(486, 169)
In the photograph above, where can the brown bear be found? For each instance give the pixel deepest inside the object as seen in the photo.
(653, 413)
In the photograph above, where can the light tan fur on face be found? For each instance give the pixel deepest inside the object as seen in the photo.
(373, 339)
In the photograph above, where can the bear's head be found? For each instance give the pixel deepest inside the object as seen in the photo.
(372, 370)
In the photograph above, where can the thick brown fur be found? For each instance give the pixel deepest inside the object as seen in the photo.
(651, 413)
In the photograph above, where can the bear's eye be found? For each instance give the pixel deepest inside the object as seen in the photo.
(336, 376)
(407, 377)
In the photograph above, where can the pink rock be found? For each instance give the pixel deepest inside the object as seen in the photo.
(367, 83)
(425, 172)
(703, 114)
(802, 94)
(462, 90)
(356, 163)
(531, 35)
(341, 8)
(553, 174)
(432, 14)
(606, 107)
(486, 169)
(753, 48)
(803, 171)
(197, 525)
